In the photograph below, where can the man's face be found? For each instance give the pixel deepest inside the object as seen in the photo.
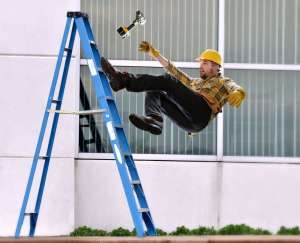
(208, 69)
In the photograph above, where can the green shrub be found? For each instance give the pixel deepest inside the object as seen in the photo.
(288, 231)
(86, 231)
(122, 232)
(161, 232)
(182, 230)
(232, 229)
(203, 231)
(241, 229)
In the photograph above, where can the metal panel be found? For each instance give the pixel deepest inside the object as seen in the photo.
(262, 31)
(173, 140)
(180, 29)
(267, 124)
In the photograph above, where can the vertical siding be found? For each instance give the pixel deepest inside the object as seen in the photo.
(267, 122)
(180, 29)
(173, 140)
(262, 31)
(256, 31)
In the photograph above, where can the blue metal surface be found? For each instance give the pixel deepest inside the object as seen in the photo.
(129, 176)
(117, 138)
(42, 130)
(53, 129)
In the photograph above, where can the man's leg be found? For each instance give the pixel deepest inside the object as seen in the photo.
(184, 106)
(139, 83)
(157, 103)
(160, 102)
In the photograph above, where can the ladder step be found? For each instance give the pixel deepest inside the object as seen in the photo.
(135, 182)
(68, 49)
(85, 125)
(109, 98)
(89, 141)
(56, 101)
(144, 210)
(29, 214)
(92, 42)
(87, 112)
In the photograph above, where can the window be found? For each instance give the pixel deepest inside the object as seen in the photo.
(261, 53)
(173, 140)
(180, 30)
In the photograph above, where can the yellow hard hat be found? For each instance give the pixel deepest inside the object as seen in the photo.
(211, 55)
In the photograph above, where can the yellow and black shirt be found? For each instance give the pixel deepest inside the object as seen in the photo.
(214, 90)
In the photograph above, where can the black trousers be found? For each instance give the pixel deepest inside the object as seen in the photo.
(167, 95)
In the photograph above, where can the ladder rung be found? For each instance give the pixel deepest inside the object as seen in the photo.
(88, 112)
(88, 141)
(84, 125)
(118, 125)
(29, 214)
(144, 210)
(135, 182)
(56, 101)
(109, 98)
(68, 49)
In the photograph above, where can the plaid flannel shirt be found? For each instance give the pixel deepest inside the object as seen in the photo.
(214, 90)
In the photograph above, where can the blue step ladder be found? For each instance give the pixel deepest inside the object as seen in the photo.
(142, 219)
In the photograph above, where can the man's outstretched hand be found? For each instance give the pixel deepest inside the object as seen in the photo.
(236, 98)
(148, 48)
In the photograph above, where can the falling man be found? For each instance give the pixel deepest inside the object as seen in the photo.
(189, 102)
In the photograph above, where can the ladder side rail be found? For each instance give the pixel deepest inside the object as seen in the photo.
(141, 196)
(42, 130)
(91, 37)
(54, 127)
(101, 96)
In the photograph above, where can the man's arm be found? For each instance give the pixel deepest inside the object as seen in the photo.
(236, 93)
(168, 66)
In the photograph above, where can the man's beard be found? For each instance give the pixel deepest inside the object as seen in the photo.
(203, 76)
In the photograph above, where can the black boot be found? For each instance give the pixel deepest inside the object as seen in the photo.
(118, 80)
(147, 123)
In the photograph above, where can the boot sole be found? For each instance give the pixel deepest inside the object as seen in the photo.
(139, 123)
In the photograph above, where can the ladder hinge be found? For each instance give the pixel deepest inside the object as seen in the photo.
(77, 15)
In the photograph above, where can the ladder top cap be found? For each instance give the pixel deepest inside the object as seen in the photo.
(77, 14)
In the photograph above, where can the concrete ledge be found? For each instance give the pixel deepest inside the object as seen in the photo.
(166, 239)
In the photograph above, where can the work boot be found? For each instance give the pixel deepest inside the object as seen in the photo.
(147, 123)
(117, 79)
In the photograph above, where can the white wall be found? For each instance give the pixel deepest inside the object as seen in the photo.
(191, 194)
(32, 32)
(186, 193)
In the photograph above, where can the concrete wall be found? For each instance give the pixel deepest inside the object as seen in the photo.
(179, 193)
(191, 194)
(31, 35)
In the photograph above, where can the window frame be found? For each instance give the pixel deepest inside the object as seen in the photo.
(219, 157)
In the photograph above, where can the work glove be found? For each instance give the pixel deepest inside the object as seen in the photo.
(236, 97)
(148, 48)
